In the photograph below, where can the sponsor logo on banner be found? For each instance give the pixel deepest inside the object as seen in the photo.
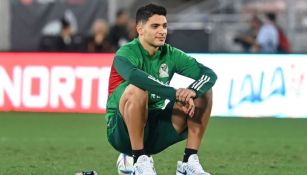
(56, 83)
(256, 85)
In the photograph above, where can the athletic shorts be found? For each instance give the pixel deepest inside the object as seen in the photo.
(159, 132)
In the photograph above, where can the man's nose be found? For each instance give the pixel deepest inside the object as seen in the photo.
(162, 30)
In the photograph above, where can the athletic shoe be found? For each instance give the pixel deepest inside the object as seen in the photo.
(144, 166)
(192, 167)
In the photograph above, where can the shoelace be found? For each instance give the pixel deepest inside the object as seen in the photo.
(144, 167)
(195, 167)
(139, 169)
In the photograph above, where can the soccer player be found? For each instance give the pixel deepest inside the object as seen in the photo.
(139, 122)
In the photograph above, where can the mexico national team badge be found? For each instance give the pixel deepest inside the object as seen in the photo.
(163, 71)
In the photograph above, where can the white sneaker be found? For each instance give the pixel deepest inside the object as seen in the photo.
(144, 166)
(192, 167)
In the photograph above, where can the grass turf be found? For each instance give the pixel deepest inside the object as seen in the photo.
(61, 144)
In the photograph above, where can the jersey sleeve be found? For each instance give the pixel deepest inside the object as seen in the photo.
(125, 52)
(187, 66)
(127, 69)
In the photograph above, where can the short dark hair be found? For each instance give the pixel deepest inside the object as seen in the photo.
(147, 11)
(120, 12)
(271, 16)
(65, 23)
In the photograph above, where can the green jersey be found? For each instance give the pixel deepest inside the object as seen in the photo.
(133, 65)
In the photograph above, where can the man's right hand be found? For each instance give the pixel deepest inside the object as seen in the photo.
(187, 107)
(184, 95)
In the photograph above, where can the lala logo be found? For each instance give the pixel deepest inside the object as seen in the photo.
(163, 71)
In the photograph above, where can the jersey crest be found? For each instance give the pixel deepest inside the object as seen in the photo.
(163, 71)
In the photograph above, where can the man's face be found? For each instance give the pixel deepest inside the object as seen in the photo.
(124, 18)
(254, 23)
(154, 30)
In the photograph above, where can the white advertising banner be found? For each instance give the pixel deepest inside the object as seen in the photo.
(256, 85)
(247, 85)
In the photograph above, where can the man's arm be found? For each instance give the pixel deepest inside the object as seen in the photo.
(187, 66)
(204, 81)
(141, 79)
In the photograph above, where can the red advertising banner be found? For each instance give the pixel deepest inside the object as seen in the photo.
(54, 82)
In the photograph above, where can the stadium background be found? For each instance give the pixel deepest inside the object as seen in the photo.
(259, 103)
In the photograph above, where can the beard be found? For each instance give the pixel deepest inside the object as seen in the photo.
(156, 44)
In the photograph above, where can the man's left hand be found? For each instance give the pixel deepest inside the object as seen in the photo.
(184, 95)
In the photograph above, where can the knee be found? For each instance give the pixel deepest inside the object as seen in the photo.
(135, 94)
(203, 106)
(208, 95)
(133, 100)
(205, 100)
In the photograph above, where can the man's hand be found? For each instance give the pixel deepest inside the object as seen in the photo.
(184, 95)
(187, 107)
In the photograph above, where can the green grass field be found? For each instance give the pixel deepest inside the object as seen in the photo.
(61, 144)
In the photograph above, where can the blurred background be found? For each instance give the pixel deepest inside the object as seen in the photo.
(207, 25)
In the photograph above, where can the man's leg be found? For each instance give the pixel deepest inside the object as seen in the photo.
(196, 129)
(133, 107)
(197, 124)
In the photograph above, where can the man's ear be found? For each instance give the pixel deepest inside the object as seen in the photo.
(140, 28)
